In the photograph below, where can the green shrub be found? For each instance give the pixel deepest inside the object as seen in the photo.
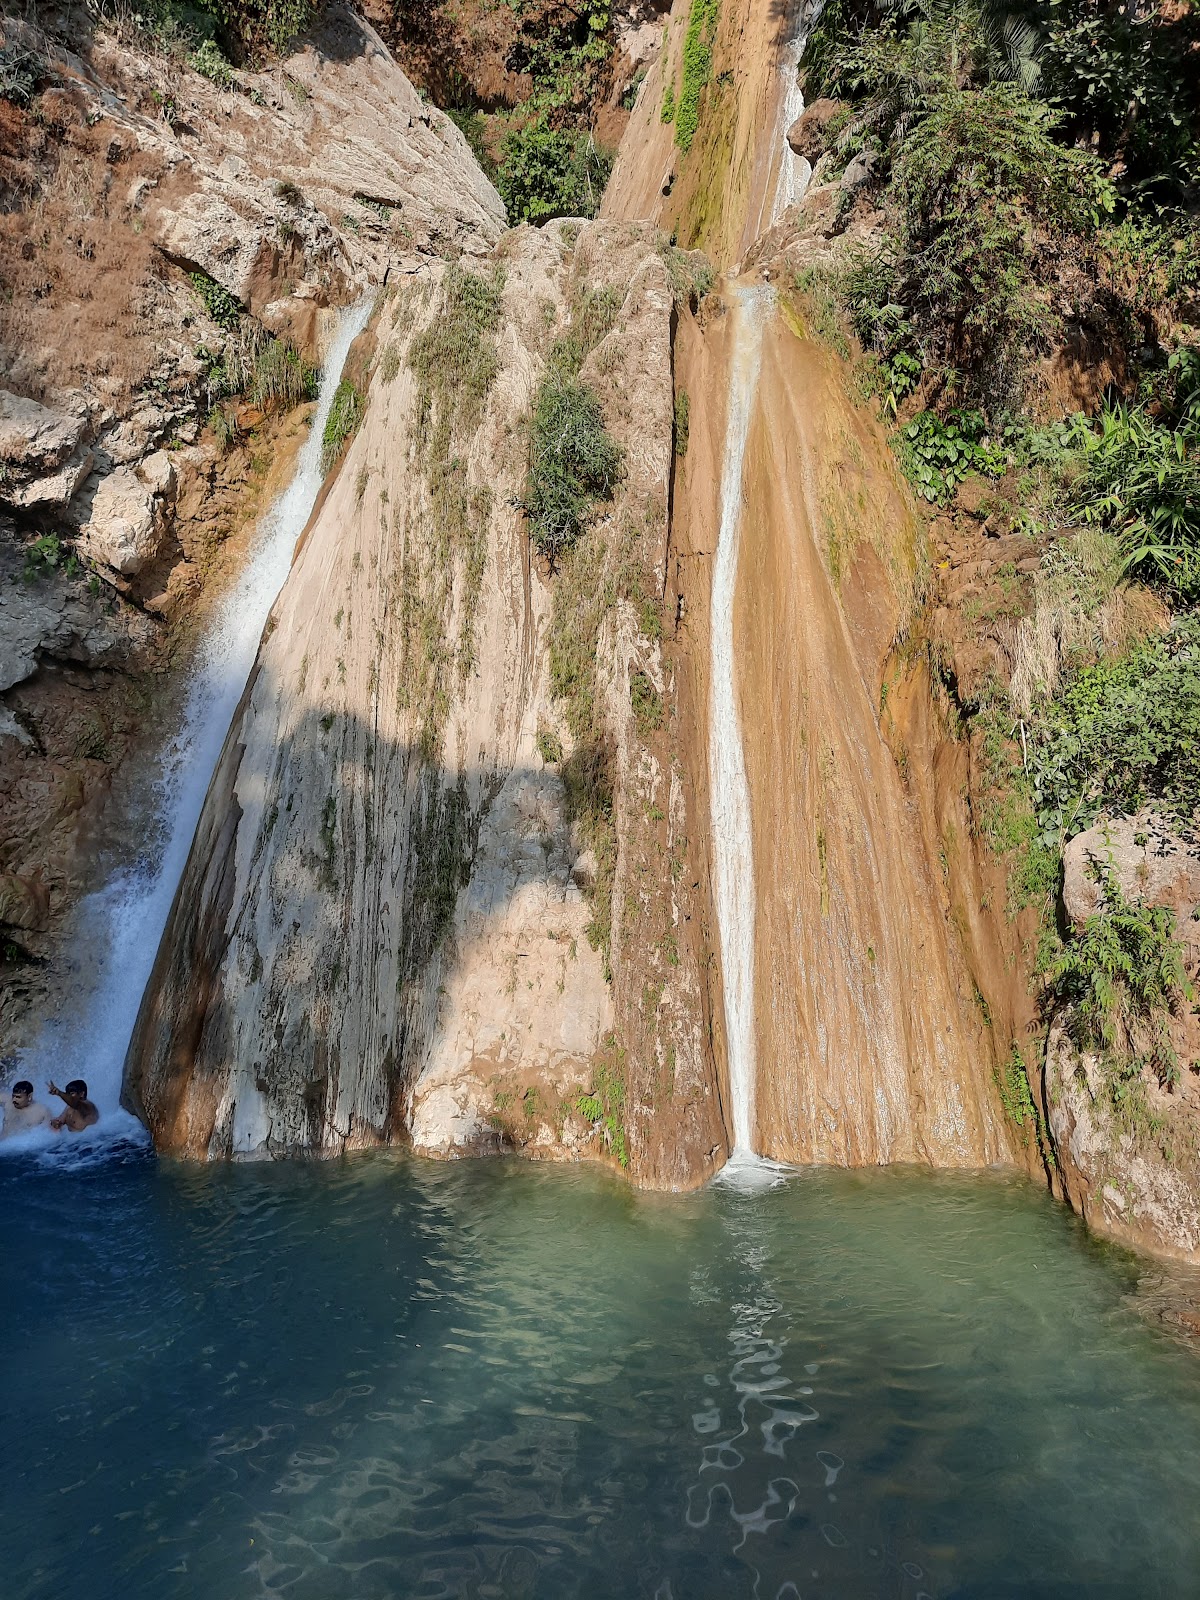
(208, 60)
(281, 377)
(1127, 83)
(1124, 976)
(549, 746)
(43, 556)
(551, 172)
(473, 127)
(697, 69)
(573, 464)
(647, 703)
(937, 454)
(1141, 479)
(565, 49)
(1120, 735)
(224, 308)
(345, 414)
(604, 1108)
(288, 192)
(454, 359)
(20, 70)
(243, 30)
(667, 112)
(987, 198)
(1016, 1097)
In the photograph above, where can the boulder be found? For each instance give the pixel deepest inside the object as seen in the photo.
(43, 459)
(125, 527)
(157, 472)
(29, 615)
(808, 135)
(1147, 861)
(206, 231)
(24, 900)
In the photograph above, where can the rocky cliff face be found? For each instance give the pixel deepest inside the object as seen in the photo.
(387, 927)
(1130, 1165)
(129, 179)
(871, 1043)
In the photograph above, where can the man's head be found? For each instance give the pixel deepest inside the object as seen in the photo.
(22, 1094)
(76, 1092)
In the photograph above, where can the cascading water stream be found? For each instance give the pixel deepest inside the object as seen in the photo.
(125, 920)
(794, 171)
(733, 853)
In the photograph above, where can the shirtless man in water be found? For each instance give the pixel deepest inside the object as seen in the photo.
(21, 1110)
(80, 1112)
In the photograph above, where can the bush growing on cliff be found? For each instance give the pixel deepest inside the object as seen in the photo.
(237, 30)
(1123, 974)
(1140, 478)
(224, 308)
(1121, 734)
(573, 464)
(549, 172)
(697, 69)
(345, 414)
(454, 359)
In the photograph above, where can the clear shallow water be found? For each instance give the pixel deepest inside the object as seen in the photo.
(390, 1378)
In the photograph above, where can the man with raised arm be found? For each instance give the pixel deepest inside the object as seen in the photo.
(21, 1111)
(80, 1112)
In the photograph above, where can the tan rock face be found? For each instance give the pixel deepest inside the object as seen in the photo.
(1142, 856)
(1115, 1174)
(383, 929)
(125, 525)
(719, 196)
(1132, 1173)
(871, 1046)
(43, 458)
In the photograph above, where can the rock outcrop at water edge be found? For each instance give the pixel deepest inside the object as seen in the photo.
(417, 861)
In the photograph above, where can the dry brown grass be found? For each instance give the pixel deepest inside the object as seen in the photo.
(79, 284)
(1082, 611)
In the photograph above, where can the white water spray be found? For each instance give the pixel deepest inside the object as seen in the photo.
(126, 919)
(733, 853)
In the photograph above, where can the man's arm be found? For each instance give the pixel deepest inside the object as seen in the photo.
(52, 1088)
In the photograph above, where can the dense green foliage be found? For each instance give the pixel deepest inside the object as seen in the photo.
(697, 69)
(573, 464)
(1001, 220)
(939, 453)
(1124, 976)
(213, 33)
(1122, 733)
(341, 425)
(1139, 474)
(224, 308)
(549, 172)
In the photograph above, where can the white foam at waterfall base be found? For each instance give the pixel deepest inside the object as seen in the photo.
(733, 853)
(120, 927)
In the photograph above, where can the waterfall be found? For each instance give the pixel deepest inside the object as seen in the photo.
(732, 845)
(123, 923)
(794, 172)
